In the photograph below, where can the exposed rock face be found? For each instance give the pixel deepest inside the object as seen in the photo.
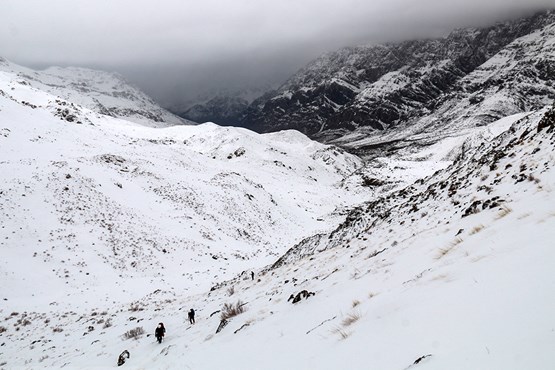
(221, 109)
(414, 83)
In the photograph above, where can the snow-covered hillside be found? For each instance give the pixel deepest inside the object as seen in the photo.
(90, 201)
(438, 259)
(102, 92)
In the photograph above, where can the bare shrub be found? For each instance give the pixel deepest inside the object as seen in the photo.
(57, 329)
(134, 333)
(351, 318)
(476, 229)
(23, 322)
(230, 310)
(3, 329)
(355, 303)
(534, 179)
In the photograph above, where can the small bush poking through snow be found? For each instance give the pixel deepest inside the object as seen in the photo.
(231, 310)
(2, 329)
(355, 303)
(134, 333)
(57, 330)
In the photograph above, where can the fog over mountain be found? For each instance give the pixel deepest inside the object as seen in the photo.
(179, 51)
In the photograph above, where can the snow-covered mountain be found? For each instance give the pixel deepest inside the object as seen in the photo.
(220, 109)
(436, 252)
(109, 228)
(86, 195)
(102, 92)
(474, 76)
(224, 106)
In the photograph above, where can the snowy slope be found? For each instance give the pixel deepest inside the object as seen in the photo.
(457, 265)
(102, 92)
(92, 202)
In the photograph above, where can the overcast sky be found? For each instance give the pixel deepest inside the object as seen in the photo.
(172, 48)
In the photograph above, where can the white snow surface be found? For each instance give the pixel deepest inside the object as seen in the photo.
(108, 226)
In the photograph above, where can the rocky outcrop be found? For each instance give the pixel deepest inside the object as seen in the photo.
(221, 109)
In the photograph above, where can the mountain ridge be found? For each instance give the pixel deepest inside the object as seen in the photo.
(106, 93)
(358, 90)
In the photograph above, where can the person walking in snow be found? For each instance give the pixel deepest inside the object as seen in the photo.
(160, 332)
(191, 315)
(252, 275)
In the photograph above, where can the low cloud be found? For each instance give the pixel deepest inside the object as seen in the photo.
(173, 48)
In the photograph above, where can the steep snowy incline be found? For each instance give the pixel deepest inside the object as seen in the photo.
(102, 92)
(89, 203)
(452, 272)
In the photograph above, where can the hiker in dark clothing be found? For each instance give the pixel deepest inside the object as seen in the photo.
(252, 275)
(191, 315)
(159, 332)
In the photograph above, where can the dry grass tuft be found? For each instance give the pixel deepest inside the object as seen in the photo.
(476, 229)
(231, 290)
(355, 303)
(503, 212)
(351, 318)
(455, 242)
(343, 334)
(443, 251)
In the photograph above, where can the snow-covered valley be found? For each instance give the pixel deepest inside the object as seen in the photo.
(439, 257)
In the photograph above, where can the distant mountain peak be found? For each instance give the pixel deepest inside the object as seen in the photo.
(103, 92)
